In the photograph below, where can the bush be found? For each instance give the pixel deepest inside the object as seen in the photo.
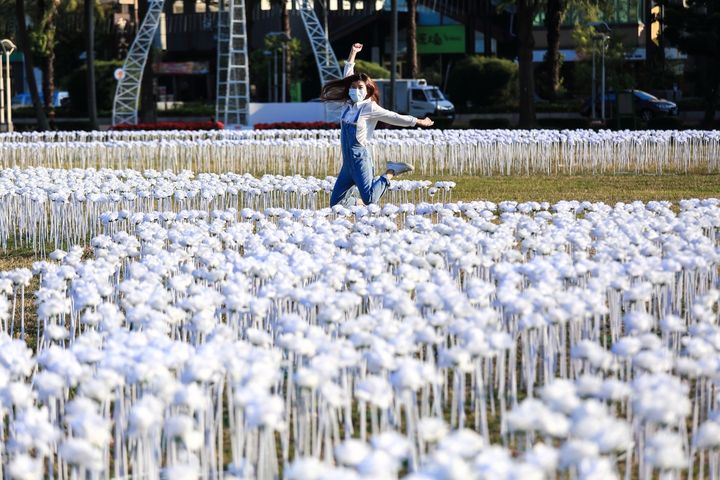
(105, 83)
(494, 81)
(564, 123)
(665, 123)
(490, 123)
(373, 70)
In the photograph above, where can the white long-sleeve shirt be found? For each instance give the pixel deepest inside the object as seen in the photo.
(370, 114)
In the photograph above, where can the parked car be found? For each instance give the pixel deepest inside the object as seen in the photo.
(646, 106)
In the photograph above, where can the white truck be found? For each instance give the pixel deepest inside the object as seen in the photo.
(415, 97)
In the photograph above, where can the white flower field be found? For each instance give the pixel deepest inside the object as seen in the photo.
(192, 321)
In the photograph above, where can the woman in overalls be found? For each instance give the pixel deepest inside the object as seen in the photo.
(357, 123)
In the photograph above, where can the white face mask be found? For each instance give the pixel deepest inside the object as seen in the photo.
(357, 94)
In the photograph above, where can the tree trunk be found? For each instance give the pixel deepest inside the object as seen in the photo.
(412, 39)
(42, 123)
(89, 10)
(553, 18)
(526, 80)
(148, 107)
(49, 62)
(285, 19)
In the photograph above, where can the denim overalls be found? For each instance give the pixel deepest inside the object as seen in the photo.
(357, 169)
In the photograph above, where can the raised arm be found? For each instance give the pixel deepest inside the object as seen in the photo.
(350, 64)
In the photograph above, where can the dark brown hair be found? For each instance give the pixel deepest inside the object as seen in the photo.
(337, 90)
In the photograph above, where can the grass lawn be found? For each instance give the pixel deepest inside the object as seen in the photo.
(606, 188)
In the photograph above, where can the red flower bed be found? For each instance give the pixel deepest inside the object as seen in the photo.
(172, 126)
(297, 125)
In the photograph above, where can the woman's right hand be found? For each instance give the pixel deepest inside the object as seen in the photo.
(425, 122)
(353, 51)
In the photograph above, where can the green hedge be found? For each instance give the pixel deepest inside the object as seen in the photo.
(478, 81)
(76, 85)
(373, 70)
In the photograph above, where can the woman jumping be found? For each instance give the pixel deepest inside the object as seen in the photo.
(357, 123)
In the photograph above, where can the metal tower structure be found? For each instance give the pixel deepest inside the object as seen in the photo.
(232, 104)
(327, 63)
(127, 93)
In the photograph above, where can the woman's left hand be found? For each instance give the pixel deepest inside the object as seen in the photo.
(425, 122)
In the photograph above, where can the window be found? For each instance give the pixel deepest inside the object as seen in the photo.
(418, 95)
(434, 94)
(177, 7)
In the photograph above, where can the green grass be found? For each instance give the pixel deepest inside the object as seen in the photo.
(600, 188)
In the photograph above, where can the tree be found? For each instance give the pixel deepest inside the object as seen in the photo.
(412, 38)
(26, 48)
(554, 11)
(695, 30)
(285, 27)
(526, 11)
(47, 11)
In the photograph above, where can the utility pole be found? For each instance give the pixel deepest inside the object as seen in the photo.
(394, 48)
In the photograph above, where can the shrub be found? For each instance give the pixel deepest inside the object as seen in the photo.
(373, 70)
(494, 81)
(105, 83)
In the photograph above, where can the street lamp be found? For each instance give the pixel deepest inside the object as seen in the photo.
(284, 39)
(5, 86)
(600, 37)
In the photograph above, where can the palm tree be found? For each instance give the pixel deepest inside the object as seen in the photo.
(412, 38)
(24, 40)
